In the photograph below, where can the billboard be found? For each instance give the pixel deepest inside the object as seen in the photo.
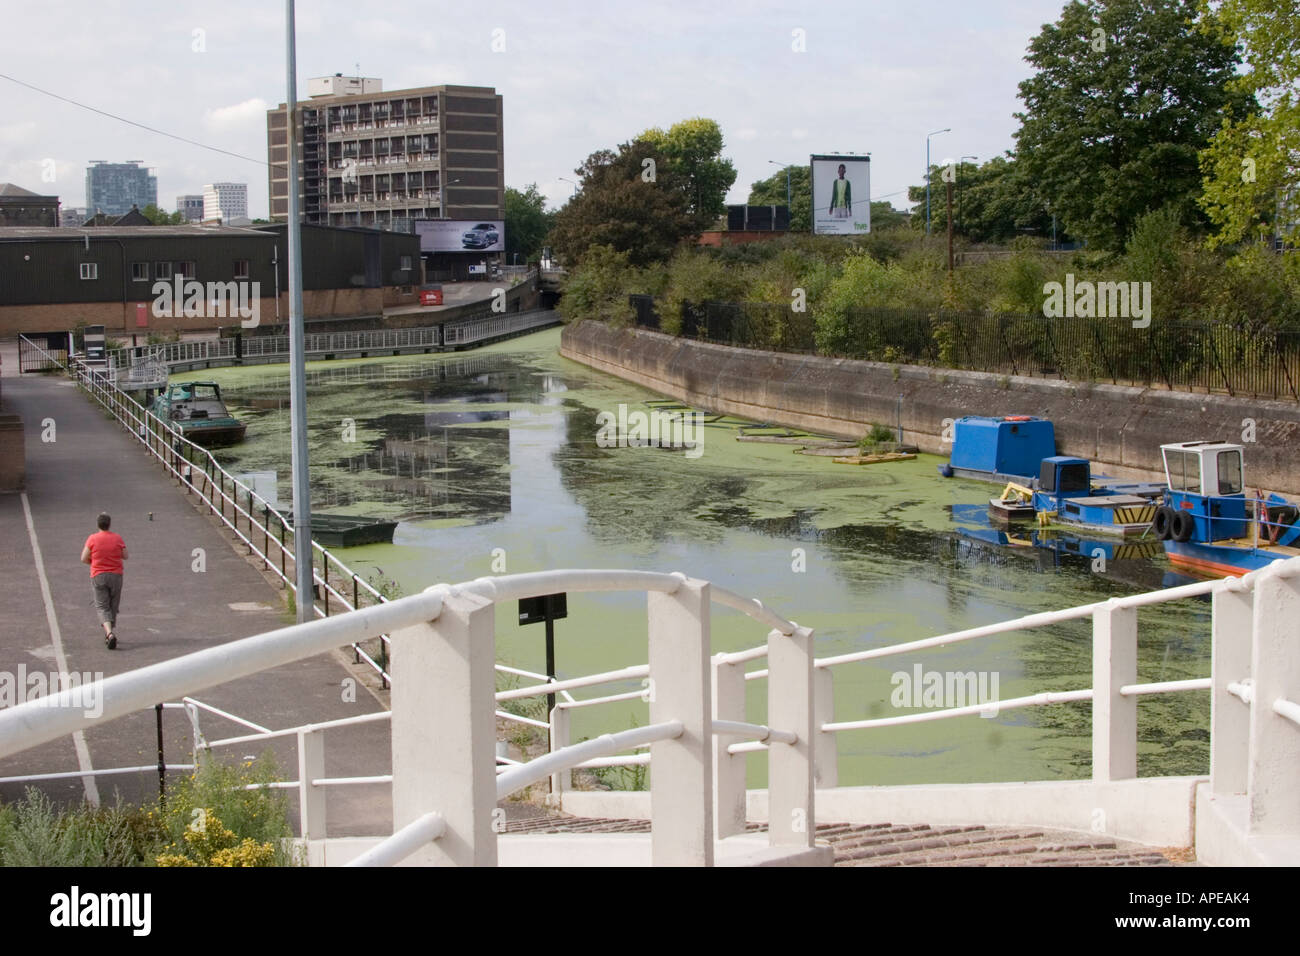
(461, 235)
(841, 195)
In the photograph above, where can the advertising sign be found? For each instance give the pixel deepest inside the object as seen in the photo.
(841, 194)
(461, 235)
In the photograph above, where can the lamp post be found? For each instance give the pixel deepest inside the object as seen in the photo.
(571, 183)
(959, 163)
(927, 175)
(443, 201)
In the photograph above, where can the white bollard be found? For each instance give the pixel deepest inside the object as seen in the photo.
(444, 730)
(728, 769)
(1114, 717)
(1273, 777)
(790, 784)
(681, 770)
(1230, 642)
(311, 799)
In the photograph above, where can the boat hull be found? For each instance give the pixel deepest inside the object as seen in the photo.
(215, 435)
(1218, 560)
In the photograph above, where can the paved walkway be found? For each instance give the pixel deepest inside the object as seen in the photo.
(168, 610)
(884, 844)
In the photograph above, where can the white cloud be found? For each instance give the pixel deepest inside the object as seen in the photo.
(237, 116)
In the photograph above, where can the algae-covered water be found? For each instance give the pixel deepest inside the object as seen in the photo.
(491, 456)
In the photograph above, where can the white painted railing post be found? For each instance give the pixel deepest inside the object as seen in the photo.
(311, 799)
(1232, 622)
(728, 769)
(444, 730)
(681, 770)
(1114, 717)
(826, 755)
(790, 781)
(1273, 778)
(563, 780)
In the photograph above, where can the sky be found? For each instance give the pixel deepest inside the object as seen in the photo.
(783, 80)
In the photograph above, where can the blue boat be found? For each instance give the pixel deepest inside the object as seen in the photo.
(999, 449)
(1066, 493)
(1207, 522)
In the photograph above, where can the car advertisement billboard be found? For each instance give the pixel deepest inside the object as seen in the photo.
(841, 195)
(461, 235)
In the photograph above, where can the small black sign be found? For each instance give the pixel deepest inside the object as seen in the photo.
(544, 607)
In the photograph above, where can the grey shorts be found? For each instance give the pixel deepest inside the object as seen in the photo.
(108, 595)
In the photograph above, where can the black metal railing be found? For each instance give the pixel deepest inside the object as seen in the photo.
(1256, 363)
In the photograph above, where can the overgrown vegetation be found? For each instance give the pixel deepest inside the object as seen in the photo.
(208, 819)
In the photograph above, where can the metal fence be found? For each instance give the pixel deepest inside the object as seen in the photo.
(1255, 363)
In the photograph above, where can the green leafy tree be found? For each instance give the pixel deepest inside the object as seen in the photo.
(599, 287)
(1252, 166)
(992, 202)
(157, 217)
(527, 223)
(771, 192)
(1126, 94)
(633, 201)
(693, 148)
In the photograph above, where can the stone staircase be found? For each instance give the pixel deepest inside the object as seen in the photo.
(884, 844)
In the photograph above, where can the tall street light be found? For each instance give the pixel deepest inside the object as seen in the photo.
(786, 167)
(571, 183)
(302, 551)
(927, 175)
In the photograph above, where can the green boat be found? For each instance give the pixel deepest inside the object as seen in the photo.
(347, 531)
(196, 410)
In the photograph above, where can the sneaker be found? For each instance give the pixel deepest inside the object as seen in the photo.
(111, 640)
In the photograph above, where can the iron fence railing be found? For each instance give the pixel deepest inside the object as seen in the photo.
(1255, 363)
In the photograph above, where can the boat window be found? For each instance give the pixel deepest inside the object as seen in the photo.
(1229, 472)
(180, 393)
(1184, 470)
(1074, 478)
(205, 393)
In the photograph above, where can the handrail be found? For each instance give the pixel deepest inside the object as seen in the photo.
(404, 842)
(605, 745)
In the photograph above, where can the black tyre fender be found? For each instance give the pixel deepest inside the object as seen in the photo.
(1163, 520)
(1182, 526)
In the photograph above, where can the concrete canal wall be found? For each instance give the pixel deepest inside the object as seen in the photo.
(1119, 427)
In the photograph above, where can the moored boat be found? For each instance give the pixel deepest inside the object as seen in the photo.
(1207, 522)
(197, 411)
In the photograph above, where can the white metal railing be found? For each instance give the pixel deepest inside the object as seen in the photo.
(445, 637)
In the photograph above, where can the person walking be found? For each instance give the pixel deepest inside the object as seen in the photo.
(105, 551)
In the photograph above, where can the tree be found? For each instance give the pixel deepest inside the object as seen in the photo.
(157, 217)
(771, 192)
(693, 147)
(1126, 94)
(527, 223)
(991, 203)
(633, 201)
(1252, 166)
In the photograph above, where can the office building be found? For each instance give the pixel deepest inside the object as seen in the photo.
(225, 201)
(190, 206)
(371, 158)
(113, 188)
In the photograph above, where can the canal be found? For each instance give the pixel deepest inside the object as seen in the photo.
(489, 459)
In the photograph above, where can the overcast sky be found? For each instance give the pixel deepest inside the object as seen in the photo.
(575, 77)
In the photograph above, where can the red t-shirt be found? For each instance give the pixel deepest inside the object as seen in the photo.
(106, 549)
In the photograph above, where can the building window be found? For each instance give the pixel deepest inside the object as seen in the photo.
(187, 269)
(406, 263)
(241, 268)
(90, 270)
(140, 272)
(162, 270)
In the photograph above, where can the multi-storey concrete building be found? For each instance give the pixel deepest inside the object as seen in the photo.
(71, 216)
(22, 207)
(225, 201)
(113, 188)
(191, 206)
(379, 159)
